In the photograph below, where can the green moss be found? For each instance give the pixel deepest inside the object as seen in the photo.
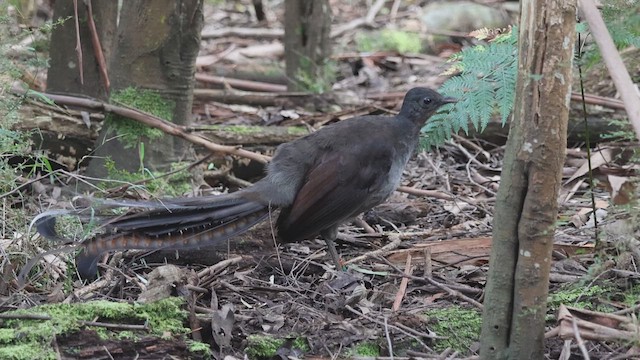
(261, 346)
(237, 129)
(164, 316)
(26, 352)
(297, 130)
(301, 344)
(390, 40)
(366, 349)
(632, 296)
(247, 129)
(460, 326)
(124, 335)
(199, 348)
(575, 295)
(7, 336)
(132, 132)
(26, 339)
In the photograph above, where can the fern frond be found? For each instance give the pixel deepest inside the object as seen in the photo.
(485, 86)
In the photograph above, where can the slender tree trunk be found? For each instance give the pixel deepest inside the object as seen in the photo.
(307, 26)
(526, 208)
(158, 42)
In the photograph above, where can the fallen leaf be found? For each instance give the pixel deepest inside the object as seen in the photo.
(598, 159)
(621, 189)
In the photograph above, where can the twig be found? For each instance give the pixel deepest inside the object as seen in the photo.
(241, 84)
(552, 333)
(598, 100)
(471, 144)
(205, 275)
(612, 59)
(154, 122)
(194, 324)
(444, 287)
(473, 158)
(440, 195)
(375, 9)
(25, 316)
(79, 293)
(367, 20)
(402, 289)
(418, 333)
(627, 310)
(388, 336)
(76, 22)
(348, 307)
(97, 48)
(226, 175)
(428, 263)
(395, 241)
(394, 11)
(363, 224)
(263, 33)
(576, 333)
(144, 327)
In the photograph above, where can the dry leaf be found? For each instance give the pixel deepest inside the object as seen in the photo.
(598, 159)
(621, 189)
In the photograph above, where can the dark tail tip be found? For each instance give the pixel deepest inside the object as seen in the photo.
(46, 226)
(87, 265)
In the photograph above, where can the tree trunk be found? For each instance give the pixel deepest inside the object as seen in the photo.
(526, 208)
(158, 42)
(307, 25)
(64, 68)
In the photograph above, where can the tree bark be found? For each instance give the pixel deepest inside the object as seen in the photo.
(307, 27)
(158, 42)
(526, 207)
(63, 76)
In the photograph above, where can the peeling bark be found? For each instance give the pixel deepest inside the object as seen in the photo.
(526, 208)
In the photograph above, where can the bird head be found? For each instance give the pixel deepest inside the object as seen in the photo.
(420, 103)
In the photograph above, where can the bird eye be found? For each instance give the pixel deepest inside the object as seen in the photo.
(426, 101)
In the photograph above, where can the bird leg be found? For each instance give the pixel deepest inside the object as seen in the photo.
(329, 235)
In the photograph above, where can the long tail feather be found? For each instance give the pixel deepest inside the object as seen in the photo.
(167, 224)
(193, 237)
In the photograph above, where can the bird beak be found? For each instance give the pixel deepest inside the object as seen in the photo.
(449, 100)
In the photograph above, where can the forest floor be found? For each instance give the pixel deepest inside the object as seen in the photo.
(415, 265)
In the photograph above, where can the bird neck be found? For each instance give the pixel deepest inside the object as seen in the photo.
(413, 114)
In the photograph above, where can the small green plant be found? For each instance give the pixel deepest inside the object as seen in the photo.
(402, 42)
(622, 131)
(261, 346)
(632, 296)
(319, 81)
(485, 85)
(11, 142)
(366, 349)
(577, 296)
(176, 183)
(622, 18)
(461, 327)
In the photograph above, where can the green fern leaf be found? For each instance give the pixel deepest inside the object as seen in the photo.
(485, 86)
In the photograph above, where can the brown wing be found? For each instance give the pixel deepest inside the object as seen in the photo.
(338, 187)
